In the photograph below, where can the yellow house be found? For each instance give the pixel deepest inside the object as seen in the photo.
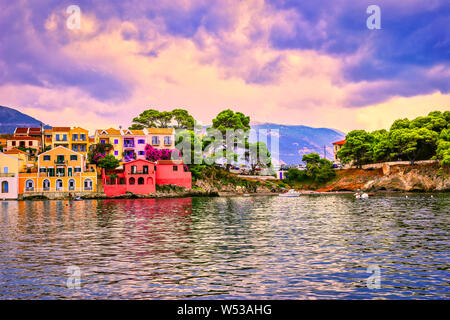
(59, 170)
(113, 137)
(161, 138)
(25, 158)
(75, 139)
(9, 173)
(79, 140)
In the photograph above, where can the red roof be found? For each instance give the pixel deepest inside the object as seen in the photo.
(24, 138)
(170, 162)
(339, 142)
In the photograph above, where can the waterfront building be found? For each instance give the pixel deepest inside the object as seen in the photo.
(336, 147)
(59, 170)
(9, 176)
(161, 138)
(141, 177)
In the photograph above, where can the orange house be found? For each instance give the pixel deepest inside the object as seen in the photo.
(59, 170)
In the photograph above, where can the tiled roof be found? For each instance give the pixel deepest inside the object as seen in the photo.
(21, 130)
(170, 162)
(24, 138)
(160, 130)
(138, 132)
(61, 129)
(15, 151)
(110, 132)
(339, 142)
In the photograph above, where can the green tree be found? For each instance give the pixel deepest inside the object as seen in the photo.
(414, 144)
(358, 147)
(258, 155)
(183, 119)
(319, 169)
(147, 119)
(231, 122)
(108, 162)
(443, 147)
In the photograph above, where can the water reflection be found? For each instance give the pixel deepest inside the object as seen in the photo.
(242, 247)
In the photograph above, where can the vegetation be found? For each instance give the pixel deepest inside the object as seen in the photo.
(224, 122)
(258, 155)
(98, 151)
(420, 139)
(177, 118)
(318, 170)
(108, 162)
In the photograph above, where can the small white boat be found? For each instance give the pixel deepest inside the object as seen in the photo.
(290, 193)
(77, 198)
(361, 195)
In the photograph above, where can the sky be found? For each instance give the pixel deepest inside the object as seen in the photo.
(313, 63)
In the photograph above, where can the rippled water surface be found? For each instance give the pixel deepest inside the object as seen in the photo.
(311, 247)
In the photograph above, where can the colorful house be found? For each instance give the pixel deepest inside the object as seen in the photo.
(113, 137)
(24, 142)
(173, 172)
(9, 176)
(21, 155)
(336, 147)
(138, 176)
(79, 140)
(141, 176)
(59, 170)
(130, 144)
(134, 142)
(75, 139)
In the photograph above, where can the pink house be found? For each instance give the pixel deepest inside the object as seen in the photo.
(141, 176)
(172, 172)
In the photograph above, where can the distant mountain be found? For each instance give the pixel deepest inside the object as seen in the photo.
(11, 118)
(297, 140)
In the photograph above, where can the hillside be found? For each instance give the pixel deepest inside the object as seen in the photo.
(295, 141)
(11, 118)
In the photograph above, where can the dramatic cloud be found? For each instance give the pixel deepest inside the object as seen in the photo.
(293, 62)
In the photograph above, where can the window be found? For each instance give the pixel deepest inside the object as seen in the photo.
(43, 170)
(141, 141)
(50, 172)
(87, 184)
(5, 187)
(60, 158)
(82, 137)
(145, 169)
(83, 148)
(13, 143)
(133, 169)
(141, 153)
(116, 153)
(59, 185)
(141, 180)
(116, 141)
(175, 168)
(71, 185)
(5, 169)
(75, 147)
(102, 141)
(167, 140)
(29, 185)
(73, 157)
(64, 137)
(46, 185)
(75, 137)
(77, 169)
(30, 143)
(57, 137)
(47, 158)
(22, 143)
(155, 140)
(132, 181)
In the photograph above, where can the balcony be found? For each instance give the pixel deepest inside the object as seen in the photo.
(128, 145)
(141, 172)
(60, 162)
(7, 175)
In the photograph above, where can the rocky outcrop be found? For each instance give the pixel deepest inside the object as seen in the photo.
(421, 177)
